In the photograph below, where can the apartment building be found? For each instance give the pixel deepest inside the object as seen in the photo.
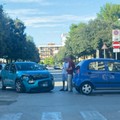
(48, 50)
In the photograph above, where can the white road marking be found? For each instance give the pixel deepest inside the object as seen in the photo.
(51, 116)
(92, 115)
(60, 83)
(11, 116)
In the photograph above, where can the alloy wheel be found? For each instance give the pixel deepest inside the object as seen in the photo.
(86, 88)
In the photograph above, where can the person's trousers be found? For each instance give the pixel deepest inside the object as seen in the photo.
(69, 82)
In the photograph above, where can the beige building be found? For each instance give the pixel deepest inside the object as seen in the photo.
(48, 50)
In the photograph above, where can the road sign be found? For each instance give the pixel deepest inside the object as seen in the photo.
(116, 44)
(115, 32)
(116, 35)
(104, 46)
(116, 50)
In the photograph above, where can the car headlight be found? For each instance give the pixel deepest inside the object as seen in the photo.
(31, 81)
(25, 77)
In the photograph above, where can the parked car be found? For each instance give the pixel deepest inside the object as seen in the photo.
(43, 67)
(2, 65)
(26, 77)
(97, 74)
(57, 67)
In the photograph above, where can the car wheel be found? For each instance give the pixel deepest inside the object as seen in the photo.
(86, 88)
(19, 87)
(3, 86)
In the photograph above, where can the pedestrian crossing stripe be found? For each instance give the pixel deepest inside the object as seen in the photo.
(92, 115)
(11, 116)
(51, 116)
(86, 115)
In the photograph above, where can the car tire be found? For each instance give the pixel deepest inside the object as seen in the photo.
(86, 88)
(3, 86)
(19, 87)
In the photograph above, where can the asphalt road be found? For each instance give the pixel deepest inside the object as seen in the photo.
(57, 105)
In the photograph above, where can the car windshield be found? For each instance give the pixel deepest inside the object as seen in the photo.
(28, 66)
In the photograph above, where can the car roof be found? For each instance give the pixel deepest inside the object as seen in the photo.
(101, 59)
(96, 59)
(23, 62)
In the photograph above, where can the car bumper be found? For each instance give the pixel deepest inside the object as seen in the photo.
(39, 85)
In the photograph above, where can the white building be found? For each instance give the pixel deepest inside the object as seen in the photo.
(64, 38)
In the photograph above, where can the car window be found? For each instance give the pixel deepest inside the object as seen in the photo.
(27, 66)
(114, 66)
(7, 67)
(2, 66)
(12, 68)
(96, 66)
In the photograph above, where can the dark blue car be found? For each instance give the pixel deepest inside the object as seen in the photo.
(26, 77)
(97, 74)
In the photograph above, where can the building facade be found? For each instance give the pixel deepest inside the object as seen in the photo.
(51, 49)
(64, 38)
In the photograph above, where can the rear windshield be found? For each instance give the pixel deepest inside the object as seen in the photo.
(80, 63)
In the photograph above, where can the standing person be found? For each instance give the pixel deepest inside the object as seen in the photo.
(70, 71)
(64, 73)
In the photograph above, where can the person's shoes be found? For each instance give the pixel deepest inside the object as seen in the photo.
(62, 89)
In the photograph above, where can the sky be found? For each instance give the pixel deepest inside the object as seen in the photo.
(46, 20)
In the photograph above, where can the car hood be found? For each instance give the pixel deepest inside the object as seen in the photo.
(32, 73)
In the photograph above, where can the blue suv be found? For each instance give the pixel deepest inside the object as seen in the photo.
(26, 77)
(97, 74)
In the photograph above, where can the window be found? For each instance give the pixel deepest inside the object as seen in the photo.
(114, 66)
(96, 66)
(101, 66)
(7, 67)
(92, 66)
(12, 68)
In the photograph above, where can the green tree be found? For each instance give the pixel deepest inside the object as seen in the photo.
(61, 54)
(84, 38)
(2, 32)
(30, 50)
(14, 45)
(49, 61)
(110, 12)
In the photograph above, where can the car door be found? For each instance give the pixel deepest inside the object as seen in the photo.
(97, 74)
(12, 75)
(114, 74)
(5, 75)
